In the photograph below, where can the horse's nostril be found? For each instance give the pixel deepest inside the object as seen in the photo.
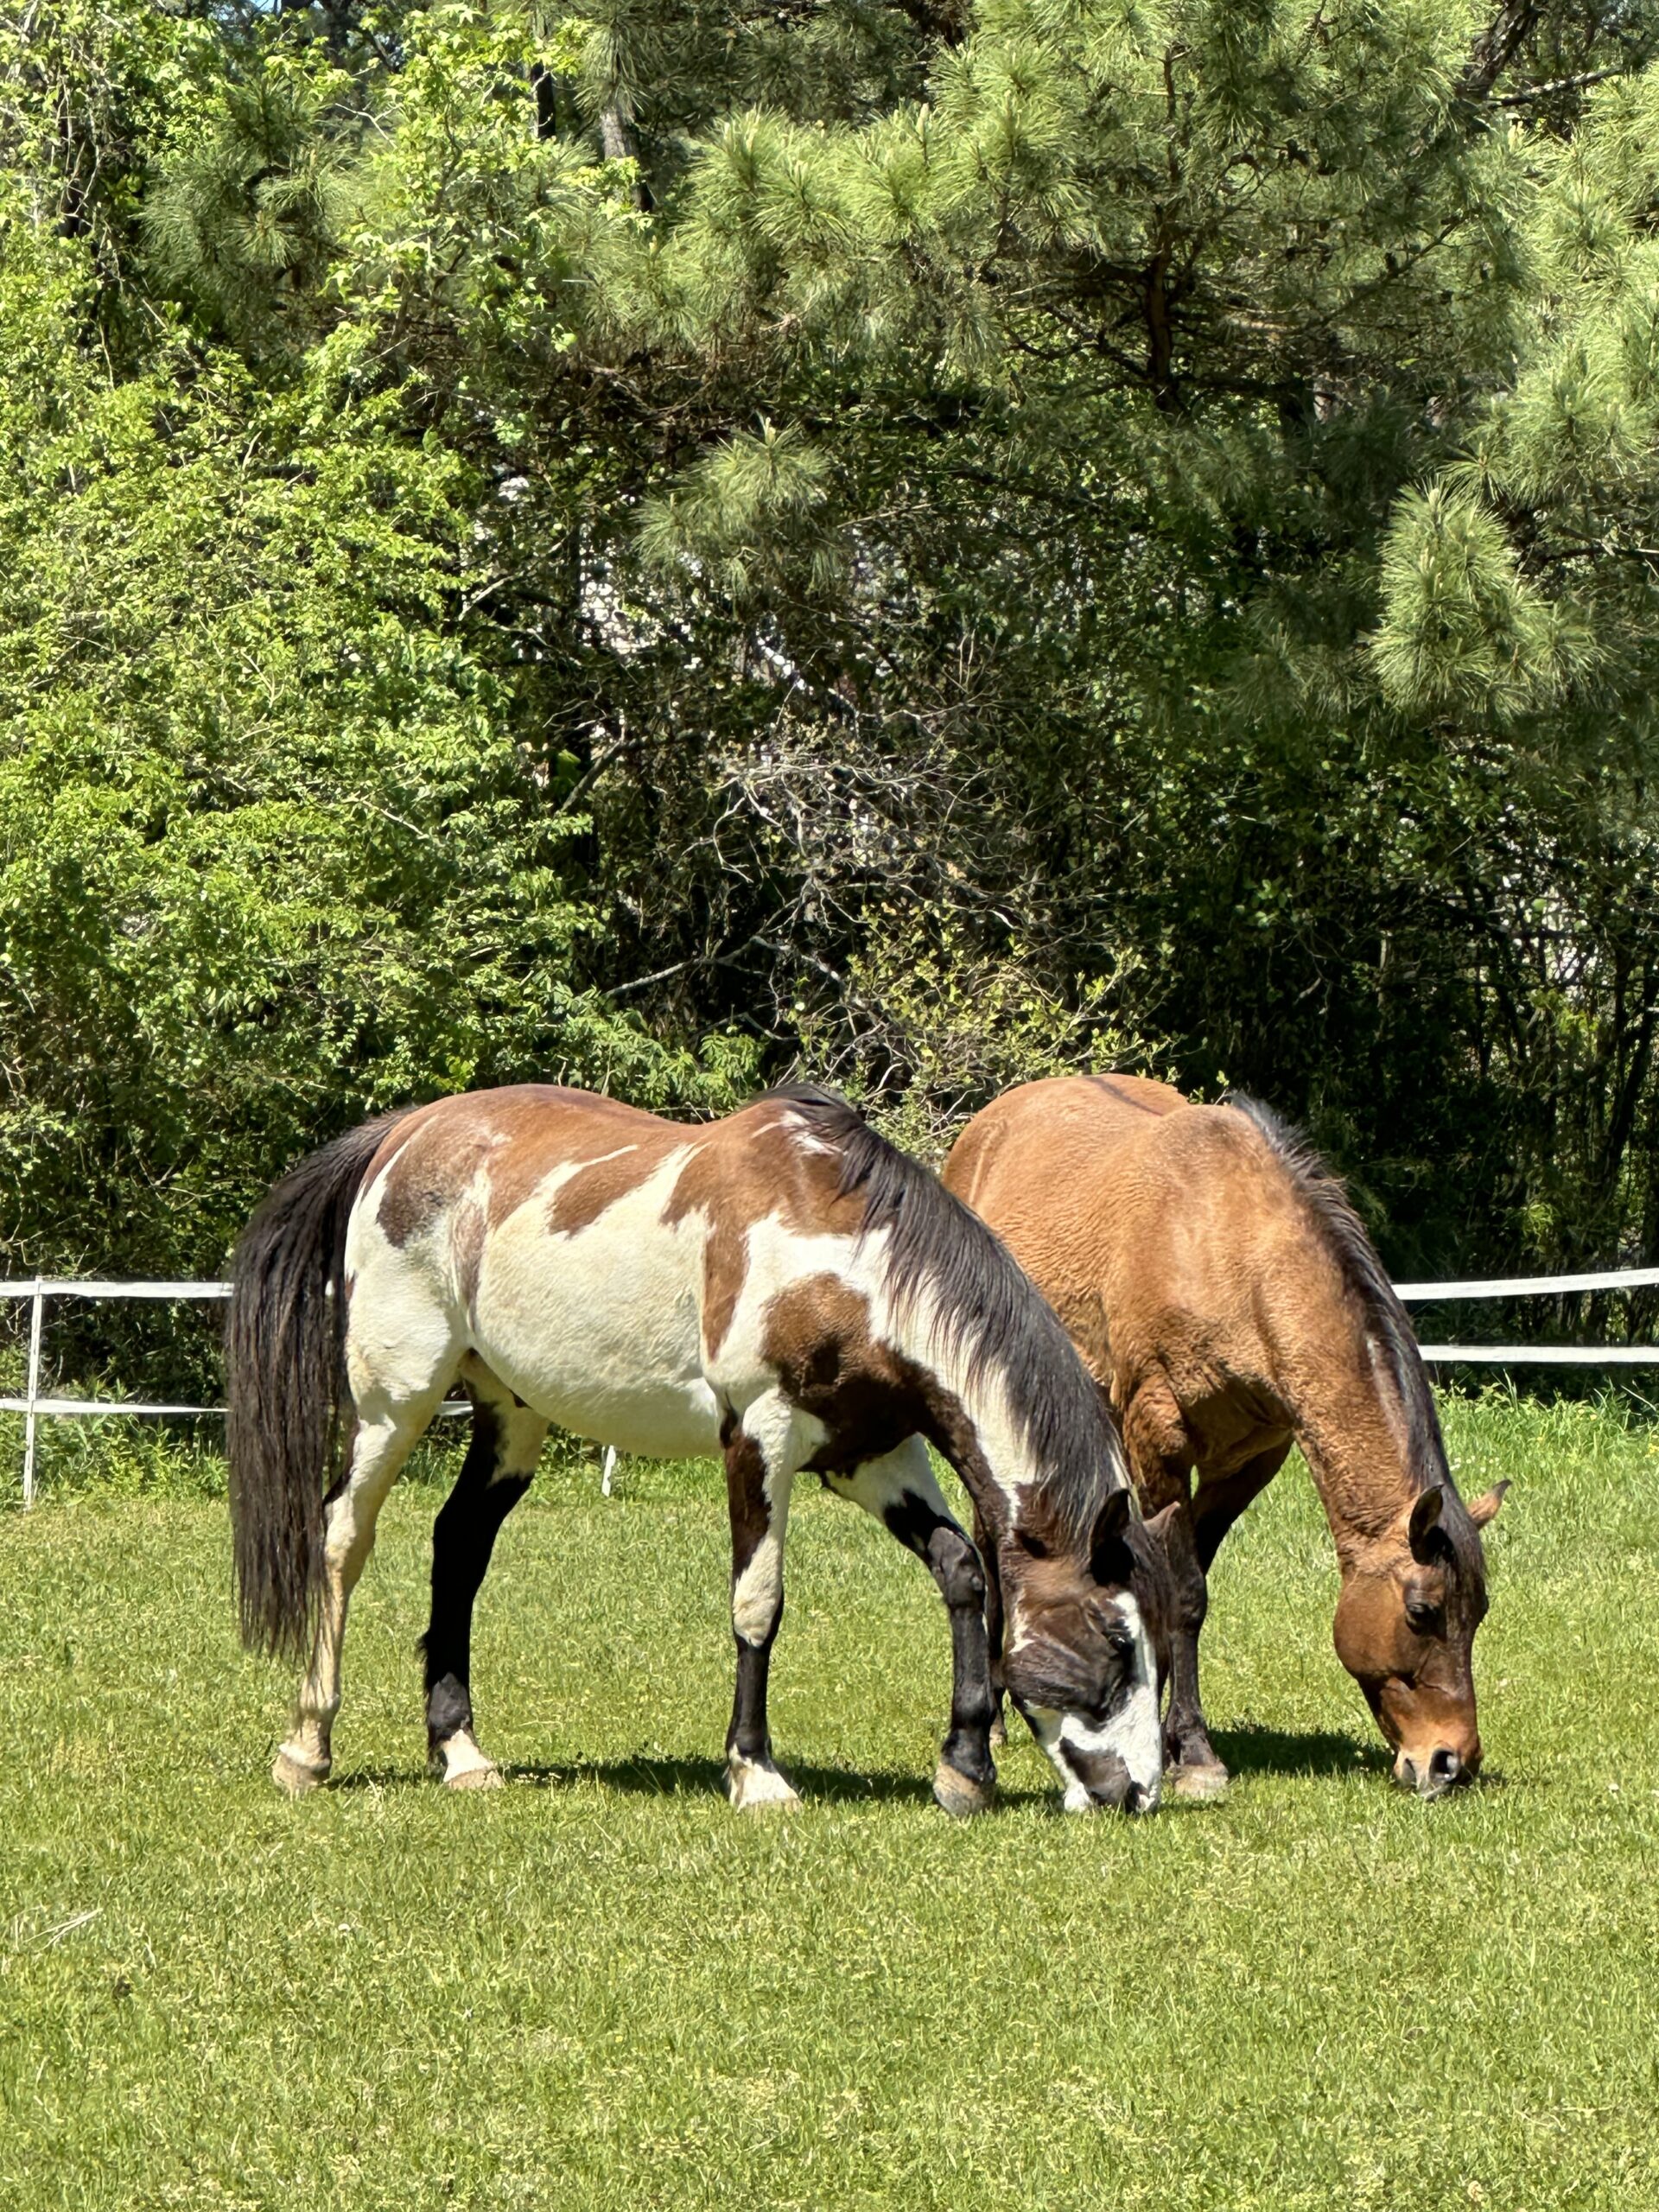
(1104, 1775)
(1445, 1766)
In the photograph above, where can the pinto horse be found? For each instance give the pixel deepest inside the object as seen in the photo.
(783, 1287)
(1224, 1294)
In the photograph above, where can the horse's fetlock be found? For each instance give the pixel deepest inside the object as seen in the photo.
(961, 1578)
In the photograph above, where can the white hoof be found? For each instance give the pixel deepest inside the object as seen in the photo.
(465, 1767)
(475, 1778)
(755, 1789)
(296, 1775)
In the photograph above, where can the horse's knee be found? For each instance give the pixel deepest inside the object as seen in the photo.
(956, 1566)
(757, 1595)
(1192, 1590)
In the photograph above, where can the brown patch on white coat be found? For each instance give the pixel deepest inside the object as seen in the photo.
(781, 1288)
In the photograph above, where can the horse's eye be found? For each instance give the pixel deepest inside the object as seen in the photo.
(1425, 1619)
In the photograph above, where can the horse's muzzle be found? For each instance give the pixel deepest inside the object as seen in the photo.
(1111, 1787)
(1434, 1774)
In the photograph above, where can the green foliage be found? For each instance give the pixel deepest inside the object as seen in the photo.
(246, 217)
(1564, 462)
(949, 543)
(272, 858)
(1461, 628)
(931, 1028)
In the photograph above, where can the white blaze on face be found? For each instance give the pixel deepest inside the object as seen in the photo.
(1132, 1732)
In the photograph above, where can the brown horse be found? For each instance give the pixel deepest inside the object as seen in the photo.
(782, 1287)
(1224, 1295)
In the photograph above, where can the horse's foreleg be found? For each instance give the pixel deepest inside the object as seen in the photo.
(501, 1456)
(759, 1471)
(994, 1624)
(378, 1449)
(1190, 1758)
(1193, 1538)
(1160, 1449)
(901, 1493)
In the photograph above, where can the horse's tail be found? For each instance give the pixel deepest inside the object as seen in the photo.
(285, 1369)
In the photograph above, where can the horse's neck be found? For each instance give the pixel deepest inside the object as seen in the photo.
(1348, 1416)
(974, 1423)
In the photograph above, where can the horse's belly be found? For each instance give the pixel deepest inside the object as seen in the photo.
(602, 1331)
(663, 1420)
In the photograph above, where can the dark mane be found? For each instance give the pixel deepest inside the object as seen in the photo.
(991, 1314)
(1344, 1236)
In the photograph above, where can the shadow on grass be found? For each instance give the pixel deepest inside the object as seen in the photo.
(697, 1777)
(1253, 1750)
(702, 1777)
(1272, 1750)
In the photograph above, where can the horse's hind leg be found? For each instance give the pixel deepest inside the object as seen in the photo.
(380, 1447)
(900, 1491)
(501, 1456)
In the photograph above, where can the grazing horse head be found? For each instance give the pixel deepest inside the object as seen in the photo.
(1083, 1661)
(1405, 1630)
(1413, 1573)
(1006, 1400)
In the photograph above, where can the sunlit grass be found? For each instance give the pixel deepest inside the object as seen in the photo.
(601, 1987)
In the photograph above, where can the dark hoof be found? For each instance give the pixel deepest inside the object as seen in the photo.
(959, 1795)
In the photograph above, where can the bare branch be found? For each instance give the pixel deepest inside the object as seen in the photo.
(1497, 46)
(1559, 85)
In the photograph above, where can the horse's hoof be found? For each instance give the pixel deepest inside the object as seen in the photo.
(296, 1777)
(475, 1777)
(1200, 1785)
(758, 1789)
(959, 1795)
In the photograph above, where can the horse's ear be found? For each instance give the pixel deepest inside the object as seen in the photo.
(1485, 1507)
(1425, 1523)
(1159, 1524)
(1109, 1551)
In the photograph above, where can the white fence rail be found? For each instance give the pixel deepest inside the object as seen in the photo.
(38, 1289)
(1418, 1294)
(32, 1406)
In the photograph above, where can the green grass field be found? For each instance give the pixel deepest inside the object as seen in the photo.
(600, 1987)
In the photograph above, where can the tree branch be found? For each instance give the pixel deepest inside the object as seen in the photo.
(1559, 85)
(1497, 46)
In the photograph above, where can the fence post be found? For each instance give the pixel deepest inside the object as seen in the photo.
(32, 1390)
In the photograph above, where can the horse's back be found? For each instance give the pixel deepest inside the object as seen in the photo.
(1149, 1222)
(598, 1259)
(1044, 1166)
